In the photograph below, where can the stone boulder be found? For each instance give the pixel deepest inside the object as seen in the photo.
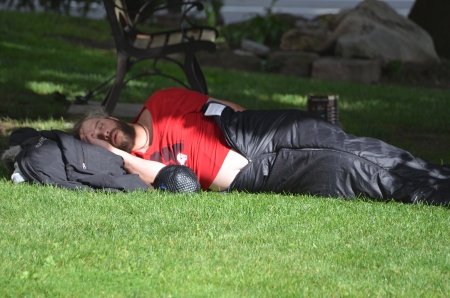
(227, 58)
(308, 37)
(256, 48)
(331, 20)
(294, 63)
(373, 30)
(345, 69)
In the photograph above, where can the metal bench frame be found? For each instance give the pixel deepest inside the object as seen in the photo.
(134, 46)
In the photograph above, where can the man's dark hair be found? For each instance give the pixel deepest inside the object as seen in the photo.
(94, 113)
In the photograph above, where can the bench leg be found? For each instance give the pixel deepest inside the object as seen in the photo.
(112, 97)
(194, 74)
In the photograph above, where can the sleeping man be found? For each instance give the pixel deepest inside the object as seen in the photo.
(280, 151)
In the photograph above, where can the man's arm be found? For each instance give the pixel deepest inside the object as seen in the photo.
(232, 105)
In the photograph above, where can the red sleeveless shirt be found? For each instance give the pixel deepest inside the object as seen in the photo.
(182, 135)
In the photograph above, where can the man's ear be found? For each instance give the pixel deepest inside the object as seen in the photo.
(113, 118)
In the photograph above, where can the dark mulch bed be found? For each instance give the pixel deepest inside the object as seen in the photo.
(437, 77)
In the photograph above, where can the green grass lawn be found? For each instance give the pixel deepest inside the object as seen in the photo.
(61, 243)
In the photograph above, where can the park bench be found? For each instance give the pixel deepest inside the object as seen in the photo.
(135, 45)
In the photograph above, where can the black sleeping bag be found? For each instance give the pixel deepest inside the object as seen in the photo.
(57, 158)
(292, 151)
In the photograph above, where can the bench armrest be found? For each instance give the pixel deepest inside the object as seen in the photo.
(152, 8)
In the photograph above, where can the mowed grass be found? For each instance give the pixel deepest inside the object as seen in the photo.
(61, 243)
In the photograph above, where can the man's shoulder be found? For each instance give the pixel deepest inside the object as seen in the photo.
(175, 97)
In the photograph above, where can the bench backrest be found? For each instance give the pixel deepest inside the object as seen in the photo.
(129, 38)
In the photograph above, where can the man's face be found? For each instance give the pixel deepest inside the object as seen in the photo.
(117, 133)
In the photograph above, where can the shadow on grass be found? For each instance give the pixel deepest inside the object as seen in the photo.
(23, 108)
(31, 106)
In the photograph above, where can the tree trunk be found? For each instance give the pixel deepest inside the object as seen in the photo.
(434, 17)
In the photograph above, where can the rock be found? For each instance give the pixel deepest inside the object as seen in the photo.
(309, 37)
(331, 19)
(294, 63)
(240, 52)
(255, 47)
(373, 30)
(343, 69)
(224, 57)
(291, 19)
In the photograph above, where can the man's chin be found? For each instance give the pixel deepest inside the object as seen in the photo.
(124, 147)
(123, 138)
(128, 150)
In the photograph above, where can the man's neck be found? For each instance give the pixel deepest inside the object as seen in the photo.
(144, 131)
(139, 130)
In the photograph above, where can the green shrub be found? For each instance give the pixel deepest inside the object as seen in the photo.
(266, 29)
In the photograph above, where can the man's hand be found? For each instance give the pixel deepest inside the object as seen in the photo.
(89, 137)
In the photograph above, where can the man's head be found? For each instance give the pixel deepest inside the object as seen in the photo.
(100, 126)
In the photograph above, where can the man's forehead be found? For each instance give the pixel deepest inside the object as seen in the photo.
(90, 121)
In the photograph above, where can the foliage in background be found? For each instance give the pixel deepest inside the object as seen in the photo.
(266, 29)
(212, 7)
(212, 10)
(58, 6)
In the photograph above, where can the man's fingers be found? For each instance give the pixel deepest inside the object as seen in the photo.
(86, 136)
(90, 138)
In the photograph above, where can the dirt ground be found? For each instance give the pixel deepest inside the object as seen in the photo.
(437, 77)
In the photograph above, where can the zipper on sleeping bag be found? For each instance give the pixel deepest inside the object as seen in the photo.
(83, 161)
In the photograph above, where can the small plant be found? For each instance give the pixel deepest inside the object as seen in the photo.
(270, 65)
(266, 29)
(394, 68)
(212, 10)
